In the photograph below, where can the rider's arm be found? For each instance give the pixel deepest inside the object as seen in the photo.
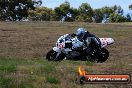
(90, 38)
(96, 41)
(73, 35)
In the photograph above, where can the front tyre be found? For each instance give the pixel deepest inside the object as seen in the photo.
(52, 56)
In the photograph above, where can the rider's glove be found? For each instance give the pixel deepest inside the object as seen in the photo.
(73, 35)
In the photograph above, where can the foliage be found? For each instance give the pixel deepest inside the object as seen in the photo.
(106, 11)
(63, 10)
(128, 18)
(16, 9)
(130, 7)
(40, 14)
(119, 18)
(98, 17)
(86, 13)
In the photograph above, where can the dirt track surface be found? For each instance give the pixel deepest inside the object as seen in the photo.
(34, 39)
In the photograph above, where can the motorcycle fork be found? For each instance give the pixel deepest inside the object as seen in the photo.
(57, 55)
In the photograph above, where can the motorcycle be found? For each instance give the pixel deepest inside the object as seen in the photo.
(74, 49)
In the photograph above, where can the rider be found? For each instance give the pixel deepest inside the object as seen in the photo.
(88, 39)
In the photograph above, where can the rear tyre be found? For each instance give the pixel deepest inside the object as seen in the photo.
(51, 56)
(103, 55)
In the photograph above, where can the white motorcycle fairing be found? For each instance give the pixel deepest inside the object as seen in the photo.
(106, 41)
(60, 47)
(56, 49)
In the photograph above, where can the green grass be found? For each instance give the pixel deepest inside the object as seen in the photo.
(8, 65)
(31, 72)
(5, 82)
(52, 80)
(89, 63)
(7, 68)
(25, 85)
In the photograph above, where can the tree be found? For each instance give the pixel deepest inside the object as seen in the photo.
(98, 17)
(114, 14)
(62, 10)
(114, 17)
(85, 13)
(16, 9)
(130, 7)
(106, 11)
(128, 18)
(65, 11)
(75, 13)
(40, 14)
(65, 7)
(117, 9)
(120, 18)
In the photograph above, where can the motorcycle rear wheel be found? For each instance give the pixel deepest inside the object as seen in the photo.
(103, 55)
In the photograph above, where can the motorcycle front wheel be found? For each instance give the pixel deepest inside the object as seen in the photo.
(51, 56)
